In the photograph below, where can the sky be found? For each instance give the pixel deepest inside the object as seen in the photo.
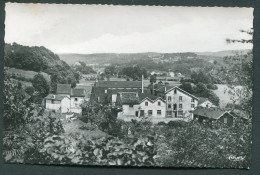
(126, 29)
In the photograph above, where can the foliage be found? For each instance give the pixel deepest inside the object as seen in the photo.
(41, 87)
(39, 59)
(152, 79)
(134, 72)
(15, 105)
(197, 145)
(212, 86)
(241, 73)
(83, 68)
(75, 149)
(29, 90)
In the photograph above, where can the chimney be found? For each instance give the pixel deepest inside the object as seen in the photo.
(142, 83)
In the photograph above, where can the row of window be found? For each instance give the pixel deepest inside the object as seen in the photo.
(150, 112)
(180, 106)
(180, 99)
(158, 103)
(170, 113)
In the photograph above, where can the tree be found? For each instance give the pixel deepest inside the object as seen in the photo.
(241, 73)
(41, 86)
(152, 79)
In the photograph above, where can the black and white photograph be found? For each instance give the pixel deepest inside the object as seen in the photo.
(128, 86)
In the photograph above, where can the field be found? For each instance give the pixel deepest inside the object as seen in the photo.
(223, 93)
(26, 74)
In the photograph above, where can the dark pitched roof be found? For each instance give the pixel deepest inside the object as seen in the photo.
(128, 97)
(63, 89)
(98, 92)
(146, 94)
(78, 93)
(119, 84)
(202, 100)
(55, 97)
(214, 113)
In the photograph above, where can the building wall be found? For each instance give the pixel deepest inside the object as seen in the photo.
(229, 119)
(154, 107)
(75, 104)
(129, 111)
(53, 105)
(186, 103)
(65, 105)
(62, 106)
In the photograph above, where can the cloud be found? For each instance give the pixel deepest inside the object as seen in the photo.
(94, 28)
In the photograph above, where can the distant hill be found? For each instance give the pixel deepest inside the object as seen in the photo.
(223, 53)
(120, 58)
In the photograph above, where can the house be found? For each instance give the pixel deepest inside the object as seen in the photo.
(77, 98)
(138, 104)
(204, 102)
(63, 89)
(66, 99)
(154, 107)
(106, 91)
(58, 103)
(214, 116)
(129, 102)
(179, 103)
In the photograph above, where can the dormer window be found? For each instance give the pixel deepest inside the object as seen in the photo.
(105, 91)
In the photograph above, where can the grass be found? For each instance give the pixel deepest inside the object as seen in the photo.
(26, 74)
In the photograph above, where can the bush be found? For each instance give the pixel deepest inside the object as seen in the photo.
(212, 86)
(175, 124)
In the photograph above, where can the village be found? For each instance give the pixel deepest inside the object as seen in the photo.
(157, 102)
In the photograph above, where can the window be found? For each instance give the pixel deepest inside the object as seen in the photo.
(105, 91)
(180, 98)
(169, 98)
(175, 107)
(142, 113)
(159, 112)
(192, 100)
(180, 106)
(175, 91)
(225, 120)
(169, 106)
(76, 99)
(159, 103)
(136, 113)
(192, 105)
(131, 106)
(146, 103)
(180, 113)
(150, 112)
(52, 101)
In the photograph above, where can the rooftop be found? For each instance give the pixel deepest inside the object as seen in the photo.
(214, 113)
(119, 84)
(78, 93)
(128, 97)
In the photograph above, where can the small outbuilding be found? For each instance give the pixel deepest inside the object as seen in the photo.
(214, 116)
